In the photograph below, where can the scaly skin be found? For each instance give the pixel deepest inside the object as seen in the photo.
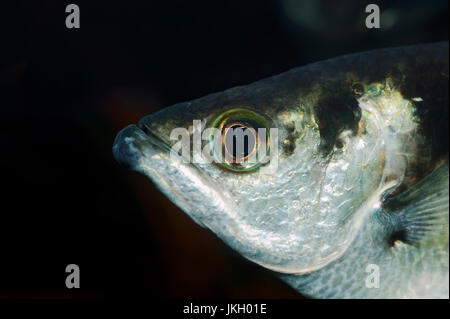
(353, 133)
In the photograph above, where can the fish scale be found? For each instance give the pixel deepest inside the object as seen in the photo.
(361, 180)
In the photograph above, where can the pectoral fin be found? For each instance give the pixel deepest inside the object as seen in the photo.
(422, 212)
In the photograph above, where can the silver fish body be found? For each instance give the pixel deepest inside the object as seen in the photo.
(357, 206)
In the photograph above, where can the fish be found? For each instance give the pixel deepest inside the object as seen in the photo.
(340, 182)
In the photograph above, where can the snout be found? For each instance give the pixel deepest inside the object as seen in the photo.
(128, 146)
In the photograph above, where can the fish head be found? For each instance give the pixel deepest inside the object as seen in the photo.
(293, 209)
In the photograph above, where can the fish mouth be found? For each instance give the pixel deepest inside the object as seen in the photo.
(141, 149)
(132, 143)
(135, 141)
(154, 139)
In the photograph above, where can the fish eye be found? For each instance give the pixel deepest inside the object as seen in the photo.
(244, 140)
(239, 140)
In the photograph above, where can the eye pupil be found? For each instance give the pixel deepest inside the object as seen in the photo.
(242, 144)
(240, 141)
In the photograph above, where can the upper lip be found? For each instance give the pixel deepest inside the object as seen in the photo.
(157, 140)
(153, 137)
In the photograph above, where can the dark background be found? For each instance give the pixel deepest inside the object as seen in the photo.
(64, 94)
